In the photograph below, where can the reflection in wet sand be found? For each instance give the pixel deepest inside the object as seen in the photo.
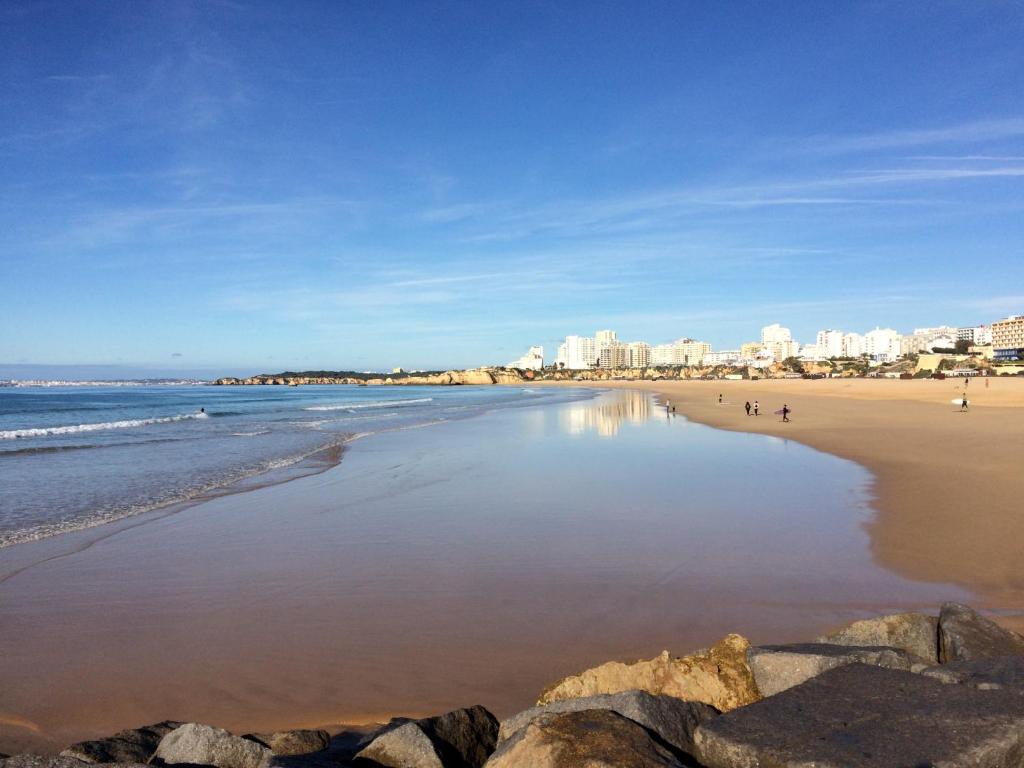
(605, 416)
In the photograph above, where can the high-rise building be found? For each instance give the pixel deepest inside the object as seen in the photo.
(614, 354)
(723, 357)
(779, 340)
(639, 354)
(830, 343)
(853, 345)
(882, 344)
(690, 352)
(750, 349)
(580, 352)
(1008, 338)
(533, 360)
(979, 335)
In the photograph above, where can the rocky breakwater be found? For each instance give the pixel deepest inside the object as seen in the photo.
(901, 691)
(476, 376)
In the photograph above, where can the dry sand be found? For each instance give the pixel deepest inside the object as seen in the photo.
(949, 485)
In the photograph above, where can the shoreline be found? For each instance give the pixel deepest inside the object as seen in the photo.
(937, 472)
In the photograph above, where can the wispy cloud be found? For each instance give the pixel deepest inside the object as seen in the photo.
(964, 133)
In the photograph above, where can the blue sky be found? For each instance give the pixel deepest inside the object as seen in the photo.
(246, 186)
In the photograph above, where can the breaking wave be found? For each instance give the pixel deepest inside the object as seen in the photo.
(376, 404)
(12, 434)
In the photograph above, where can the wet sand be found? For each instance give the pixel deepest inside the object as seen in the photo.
(949, 486)
(468, 562)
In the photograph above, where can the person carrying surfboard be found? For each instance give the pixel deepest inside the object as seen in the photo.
(963, 403)
(785, 412)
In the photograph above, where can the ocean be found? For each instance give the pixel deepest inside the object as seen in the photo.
(73, 457)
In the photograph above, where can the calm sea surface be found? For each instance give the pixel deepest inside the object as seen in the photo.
(75, 457)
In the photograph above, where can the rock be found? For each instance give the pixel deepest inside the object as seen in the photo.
(463, 738)
(858, 716)
(36, 761)
(964, 635)
(778, 667)
(594, 738)
(296, 742)
(914, 633)
(672, 720)
(718, 676)
(999, 672)
(136, 745)
(205, 745)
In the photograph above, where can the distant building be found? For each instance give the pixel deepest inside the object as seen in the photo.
(639, 354)
(830, 343)
(1008, 338)
(882, 344)
(398, 370)
(723, 357)
(779, 341)
(577, 353)
(979, 335)
(813, 353)
(853, 345)
(533, 360)
(750, 349)
(614, 354)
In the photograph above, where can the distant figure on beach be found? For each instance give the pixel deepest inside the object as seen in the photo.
(785, 412)
(963, 403)
(747, 406)
(756, 406)
(986, 382)
(719, 398)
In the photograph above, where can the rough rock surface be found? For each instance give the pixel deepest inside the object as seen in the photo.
(463, 738)
(671, 719)
(999, 672)
(295, 742)
(858, 716)
(593, 738)
(718, 676)
(778, 667)
(964, 635)
(135, 745)
(205, 745)
(914, 633)
(36, 761)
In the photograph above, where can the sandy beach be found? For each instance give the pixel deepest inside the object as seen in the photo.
(948, 485)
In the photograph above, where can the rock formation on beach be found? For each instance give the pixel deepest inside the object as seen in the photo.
(901, 691)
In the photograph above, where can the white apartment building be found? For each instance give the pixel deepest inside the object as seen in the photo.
(779, 341)
(812, 352)
(830, 343)
(639, 354)
(1008, 338)
(533, 360)
(882, 344)
(853, 345)
(979, 334)
(938, 330)
(577, 353)
(663, 354)
(723, 357)
(690, 352)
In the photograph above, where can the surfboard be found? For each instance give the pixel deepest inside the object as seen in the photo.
(959, 401)
(779, 412)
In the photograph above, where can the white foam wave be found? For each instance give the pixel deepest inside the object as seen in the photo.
(12, 434)
(376, 404)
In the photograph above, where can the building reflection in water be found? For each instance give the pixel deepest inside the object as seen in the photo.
(605, 415)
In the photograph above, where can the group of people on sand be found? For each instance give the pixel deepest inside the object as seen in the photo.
(756, 408)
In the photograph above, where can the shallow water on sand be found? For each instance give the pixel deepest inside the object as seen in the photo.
(467, 562)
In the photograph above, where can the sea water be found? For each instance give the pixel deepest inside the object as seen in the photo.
(73, 457)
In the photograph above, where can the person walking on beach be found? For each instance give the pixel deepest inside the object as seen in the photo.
(747, 406)
(785, 412)
(719, 398)
(756, 406)
(963, 403)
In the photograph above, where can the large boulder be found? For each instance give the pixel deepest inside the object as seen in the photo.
(671, 719)
(964, 635)
(998, 672)
(205, 745)
(778, 667)
(295, 742)
(463, 738)
(860, 716)
(915, 633)
(135, 745)
(593, 738)
(719, 677)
